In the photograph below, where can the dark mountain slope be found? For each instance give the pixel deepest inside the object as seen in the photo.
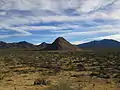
(3, 44)
(105, 43)
(22, 44)
(43, 45)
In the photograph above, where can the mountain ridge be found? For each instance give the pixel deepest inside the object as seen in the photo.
(61, 44)
(104, 43)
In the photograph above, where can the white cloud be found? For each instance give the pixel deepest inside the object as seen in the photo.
(2, 13)
(115, 37)
(23, 12)
(20, 32)
(44, 8)
(109, 31)
(56, 28)
(9, 35)
(34, 28)
(76, 42)
(88, 5)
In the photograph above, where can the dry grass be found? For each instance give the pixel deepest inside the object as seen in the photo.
(20, 70)
(26, 82)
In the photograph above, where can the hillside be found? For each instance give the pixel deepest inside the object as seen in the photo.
(102, 44)
(61, 44)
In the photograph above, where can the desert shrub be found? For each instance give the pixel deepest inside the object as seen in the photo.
(63, 84)
(1, 76)
(104, 75)
(2, 70)
(94, 74)
(100, 75)
(80, 67)
(41, 81)
(117, 75)
(47, 72)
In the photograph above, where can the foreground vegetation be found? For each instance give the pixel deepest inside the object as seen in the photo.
(38, 70)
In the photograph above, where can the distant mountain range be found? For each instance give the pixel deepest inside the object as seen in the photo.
(101, 44)
(61, 44)
(22, 44)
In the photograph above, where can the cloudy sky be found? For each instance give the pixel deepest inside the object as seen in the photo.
(78, 21)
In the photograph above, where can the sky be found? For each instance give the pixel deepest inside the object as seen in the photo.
(78, 21)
